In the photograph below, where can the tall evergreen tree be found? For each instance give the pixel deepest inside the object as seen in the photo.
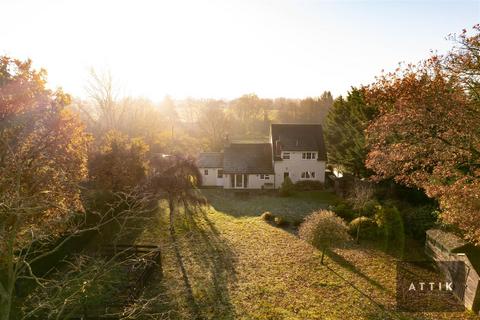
(344, 132)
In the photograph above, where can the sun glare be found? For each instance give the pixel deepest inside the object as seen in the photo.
(222, 49)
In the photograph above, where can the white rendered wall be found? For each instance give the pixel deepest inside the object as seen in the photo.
(211, 180)
(254, 181)
(296, 165)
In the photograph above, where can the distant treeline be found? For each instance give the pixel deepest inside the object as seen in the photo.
(192, 125)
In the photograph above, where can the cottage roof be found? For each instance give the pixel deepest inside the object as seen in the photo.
(248, 158)
(298, 137)
(210, 160)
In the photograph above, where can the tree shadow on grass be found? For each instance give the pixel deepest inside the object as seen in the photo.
(172, 246)
(338, 259)
(383, 312)
(217, 259)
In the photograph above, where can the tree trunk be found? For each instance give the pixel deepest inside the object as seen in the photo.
(8, 287)
(323, 254)
(5, 306)
(358, 234)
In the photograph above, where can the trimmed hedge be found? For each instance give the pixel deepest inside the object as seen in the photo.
(308, 185)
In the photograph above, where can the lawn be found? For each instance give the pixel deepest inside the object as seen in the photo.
(240, 267)
(293, 208)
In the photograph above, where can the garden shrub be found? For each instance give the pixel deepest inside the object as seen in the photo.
(417, 220)
(267, 216)
(287, 188)
(308, 185)
(391, 227)
(323, 229)
(344, 210)
(280, 222)
(369, 208)
(368, 228)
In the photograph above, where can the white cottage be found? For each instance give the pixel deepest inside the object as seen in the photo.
(299, 152)
(248, 166)
(210, 165)
(295, 150)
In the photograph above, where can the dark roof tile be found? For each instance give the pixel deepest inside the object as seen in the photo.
(298, 137)
(248, 158)
(210, 160)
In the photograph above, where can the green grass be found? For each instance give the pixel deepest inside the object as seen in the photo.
(292, 209)
(240, 267)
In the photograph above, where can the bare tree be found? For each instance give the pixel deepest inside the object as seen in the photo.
(104, 107)
(25, 250)
(214, 124)
(361, 193)
(91, 282)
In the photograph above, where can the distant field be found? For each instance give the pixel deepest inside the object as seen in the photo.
(240, 267)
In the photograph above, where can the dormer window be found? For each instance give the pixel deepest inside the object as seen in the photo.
(308, 155)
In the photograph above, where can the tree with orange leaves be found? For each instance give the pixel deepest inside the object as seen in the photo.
(427, 134)
(43, 154)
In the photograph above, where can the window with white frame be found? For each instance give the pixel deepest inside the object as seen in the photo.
(309, 155)
(220, 173)
(205, 172)
(308, 175)
(265, 177)
(286, 155)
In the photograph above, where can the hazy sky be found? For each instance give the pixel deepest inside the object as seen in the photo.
(223, 49)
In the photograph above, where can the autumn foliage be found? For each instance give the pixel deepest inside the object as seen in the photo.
(42, 151)
(119, 163)
(427, 134)
(43, 157)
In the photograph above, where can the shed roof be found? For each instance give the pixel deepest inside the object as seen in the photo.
(299, 137)
(455, 244)
(210, 160)
(447, 239)
(248, 158)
